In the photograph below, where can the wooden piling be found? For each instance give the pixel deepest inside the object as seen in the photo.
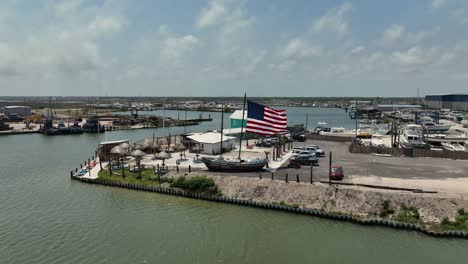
(297, 177)
(287, 177)
(189, 168)
(311, 174)
(272, 176)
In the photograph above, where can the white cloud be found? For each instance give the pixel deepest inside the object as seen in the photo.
(211, 14)
(358, 49)
(392, 34)
(436, 4)
(397, 34)
(297, 48)
(333, 21)
(177, 47)
(105, 24)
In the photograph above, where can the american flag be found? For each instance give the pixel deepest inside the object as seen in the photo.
(263, 120)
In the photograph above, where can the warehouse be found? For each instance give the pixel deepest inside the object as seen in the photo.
(17, 110)
(457, 102)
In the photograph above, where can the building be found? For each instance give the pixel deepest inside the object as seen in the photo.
(458, 102)
(210, 142)
(396, 107)
(17, 110)
(104, 148)
(236, 119)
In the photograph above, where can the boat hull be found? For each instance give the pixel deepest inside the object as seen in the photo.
(233, 166)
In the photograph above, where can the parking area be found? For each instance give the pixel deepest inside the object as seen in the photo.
(359, 165)
(365, 165)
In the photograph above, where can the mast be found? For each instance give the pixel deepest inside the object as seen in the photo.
(242, 125)
(222, 126)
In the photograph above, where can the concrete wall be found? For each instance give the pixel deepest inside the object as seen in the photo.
(443, 154)
(329, 138)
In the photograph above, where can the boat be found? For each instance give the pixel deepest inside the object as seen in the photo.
(234, 165)
(412, 137)
(431, 127)
(446, 138)
(453, 146)
(92, 125)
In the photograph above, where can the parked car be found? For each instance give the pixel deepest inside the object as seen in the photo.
(337, 173)
(305, 160)
(310, 153)
(299, 137)
(264, 144)
(318, 151)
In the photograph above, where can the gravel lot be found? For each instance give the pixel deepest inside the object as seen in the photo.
(364, 165)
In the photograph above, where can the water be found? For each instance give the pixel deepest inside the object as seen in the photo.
(47, 218)
(334, 117)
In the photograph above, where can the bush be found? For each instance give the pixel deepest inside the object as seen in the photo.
(198, 184)
(408, 214)
(295, 205)
(386, 209)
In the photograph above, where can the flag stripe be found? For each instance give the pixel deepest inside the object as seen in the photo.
(265, 123)
(263, 120)
(277, 112)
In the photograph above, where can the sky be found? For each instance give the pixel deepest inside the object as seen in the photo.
(228, 47)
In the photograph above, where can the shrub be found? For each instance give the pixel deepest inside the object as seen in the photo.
(408, 214)
(386, 209)
(198, 184)
(295, 205)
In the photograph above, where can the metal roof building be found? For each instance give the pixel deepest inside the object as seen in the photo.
(457, 102)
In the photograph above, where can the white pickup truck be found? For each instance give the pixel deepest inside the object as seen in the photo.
(312, 148)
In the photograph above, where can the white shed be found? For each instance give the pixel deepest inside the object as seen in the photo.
(210, 142)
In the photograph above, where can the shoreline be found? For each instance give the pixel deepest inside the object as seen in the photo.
(238, 195)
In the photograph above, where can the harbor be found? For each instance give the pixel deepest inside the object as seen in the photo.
(65, 201)
(164, 161)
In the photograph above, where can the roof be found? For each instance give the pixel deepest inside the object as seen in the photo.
(15, 106)
(230, 131)
(238, 115)
(113, 142)
(209, 138)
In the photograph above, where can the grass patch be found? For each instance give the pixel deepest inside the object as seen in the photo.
(460, 223)
(386, 209)
(197, 184)
(147, 176)
(408, 214)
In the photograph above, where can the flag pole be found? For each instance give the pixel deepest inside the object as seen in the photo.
(242, 125)
(222, 128)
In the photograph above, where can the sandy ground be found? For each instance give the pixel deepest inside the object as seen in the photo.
(349, 200)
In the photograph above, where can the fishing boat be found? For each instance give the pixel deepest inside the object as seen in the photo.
(431, 127)
(92, 125)
(412, 137)
(234, 165)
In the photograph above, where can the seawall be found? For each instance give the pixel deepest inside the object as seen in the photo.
(279, 207)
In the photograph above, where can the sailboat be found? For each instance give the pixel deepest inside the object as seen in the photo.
(234, 165)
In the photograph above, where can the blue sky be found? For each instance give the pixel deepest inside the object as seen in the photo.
(228, 47)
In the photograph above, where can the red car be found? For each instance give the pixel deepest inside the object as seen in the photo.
(337, 173)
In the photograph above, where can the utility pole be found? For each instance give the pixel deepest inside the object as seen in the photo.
(355, 117)
(307, 122)
(330, 168)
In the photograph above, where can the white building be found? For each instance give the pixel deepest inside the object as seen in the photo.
(17, 110)
(210, 142)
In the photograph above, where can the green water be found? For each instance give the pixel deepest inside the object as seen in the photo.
(46, 218)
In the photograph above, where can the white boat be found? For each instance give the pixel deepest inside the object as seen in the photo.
(431, 127)
(322, 124)
(412, 137)
(453, 146)
(447, 138)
